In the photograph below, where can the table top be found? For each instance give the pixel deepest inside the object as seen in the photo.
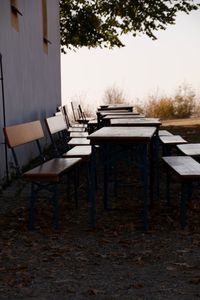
(135, 122)
(115, 107)
(122, 134)
(114, 112)
(122, 116)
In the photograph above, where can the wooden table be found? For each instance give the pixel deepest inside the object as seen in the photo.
(103, 114)
(136, 122)
(107, 119)
(116, 107)
(141, 137)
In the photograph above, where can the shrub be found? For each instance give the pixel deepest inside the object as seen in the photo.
(114, 95)
(184, 102)
(160, 108)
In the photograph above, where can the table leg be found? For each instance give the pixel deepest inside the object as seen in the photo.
(145, 175)
(92, 189)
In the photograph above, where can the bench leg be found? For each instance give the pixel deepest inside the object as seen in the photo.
(184, 198)
(32, 205)
(55, 197)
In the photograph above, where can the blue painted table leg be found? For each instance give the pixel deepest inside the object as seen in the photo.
(184, 198)
(105, 156)
(144, 169)
(92, 190)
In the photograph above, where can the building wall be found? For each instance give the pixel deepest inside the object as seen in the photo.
(31, 76)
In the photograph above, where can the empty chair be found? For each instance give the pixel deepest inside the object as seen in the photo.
(45, 176)
(69, 124)
(59, 135)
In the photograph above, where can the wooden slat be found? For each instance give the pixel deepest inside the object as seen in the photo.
(56, 124)
(78, 134)
(51, 170)
(78, 141)
(185, 166)
(172, 139)
(23, 133)
(192, 149)
(164, 132)
(79, 151)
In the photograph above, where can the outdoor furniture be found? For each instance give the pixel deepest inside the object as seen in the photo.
(190, 149)
(59, 135)
(169, 141)
(72, 127)
(115, 107)
(164, 132)
(102, 113)
(188, 171)
(106, 120)
(136, 122)
(139, 137)
(45, 176)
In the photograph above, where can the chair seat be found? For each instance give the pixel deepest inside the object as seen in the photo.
(79, 141)
(51, 170)
(78, 134)
(79, 151)
(76, 129)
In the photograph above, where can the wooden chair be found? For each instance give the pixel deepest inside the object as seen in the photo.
(188, 171)
(45, 176)
(57, 130)
(70, 125)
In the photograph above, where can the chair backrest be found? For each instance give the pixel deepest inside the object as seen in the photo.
(20, 134)
(55, 124)
(59, 136)
(65, 113)
(75, 111)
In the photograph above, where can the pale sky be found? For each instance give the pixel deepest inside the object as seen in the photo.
(142, 68)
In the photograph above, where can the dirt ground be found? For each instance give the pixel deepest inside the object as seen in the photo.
(117, 260)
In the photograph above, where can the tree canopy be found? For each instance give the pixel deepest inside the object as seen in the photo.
(94, 23)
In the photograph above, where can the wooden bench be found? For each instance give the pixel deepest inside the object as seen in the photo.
(164, 132)
(45, 176)
(169, 141)
(188, 171)
(190, 149)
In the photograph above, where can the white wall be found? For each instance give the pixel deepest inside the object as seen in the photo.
(31, 77)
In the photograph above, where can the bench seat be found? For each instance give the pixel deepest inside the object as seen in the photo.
(51, 170)
(79, 141)
(191, 149)
(184, 166)
(188, 171)
(79, 151)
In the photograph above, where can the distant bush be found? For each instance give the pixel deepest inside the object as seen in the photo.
(160, 108)
(184, 102)
(181, 105)
(114, 95)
